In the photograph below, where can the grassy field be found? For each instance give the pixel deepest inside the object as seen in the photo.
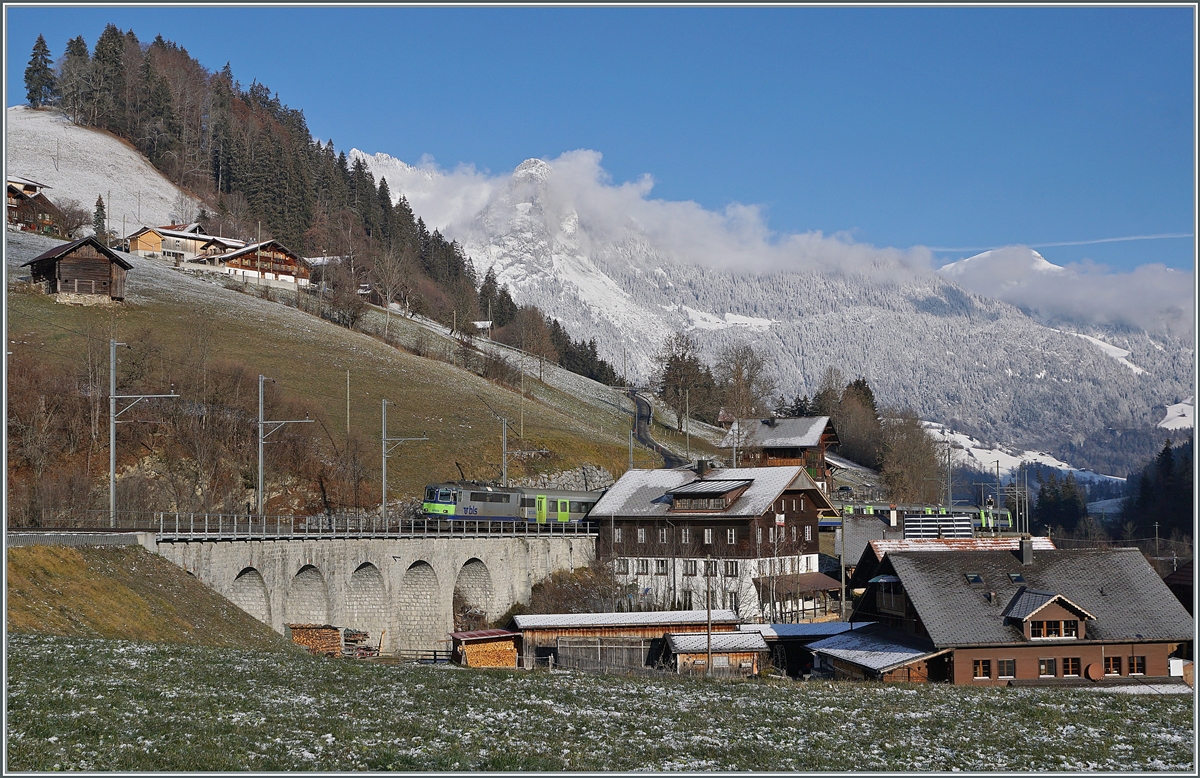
(93, 704)
(309, 359)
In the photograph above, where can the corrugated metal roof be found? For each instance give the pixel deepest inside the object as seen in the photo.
(709, 486)
(483, 634)
(817, 629)
(625, 619)
(697, 642)
(636, 492)
(786, 433)
(880, 650)
(881, 547)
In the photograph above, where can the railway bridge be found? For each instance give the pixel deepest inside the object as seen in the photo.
(400, 582)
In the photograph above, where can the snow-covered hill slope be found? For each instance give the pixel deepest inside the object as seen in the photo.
(82, 164)
(921, 340)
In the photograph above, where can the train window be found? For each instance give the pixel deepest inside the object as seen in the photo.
(562, 506)
(490, 497)
(578, 507)
(528, 502)
(430, 494)
(444, 496)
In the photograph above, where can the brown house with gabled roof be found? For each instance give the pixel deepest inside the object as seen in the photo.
(83, 267)
(270, 260)
(775, 442)
(1021, 617)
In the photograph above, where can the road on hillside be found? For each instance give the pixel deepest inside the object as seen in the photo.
(641, 432)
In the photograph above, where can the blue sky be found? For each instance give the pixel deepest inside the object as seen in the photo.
(951, 128)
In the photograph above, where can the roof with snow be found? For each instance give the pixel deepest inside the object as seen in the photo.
(804, 432)
(812, 631)
(621, 619)
(21, 181)
(187, 234)
(643, 493)
(483, 634)
(874, 551)
(252, 247)
(697, 642)
(878, 649)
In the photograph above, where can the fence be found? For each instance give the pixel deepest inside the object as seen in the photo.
(423, 656)
(225, 526)
(35, 538)
(600, 655)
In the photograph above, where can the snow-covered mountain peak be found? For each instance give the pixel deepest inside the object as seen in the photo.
(1008, 263)
(532, 170)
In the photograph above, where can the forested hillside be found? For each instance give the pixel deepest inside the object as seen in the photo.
(253, 161)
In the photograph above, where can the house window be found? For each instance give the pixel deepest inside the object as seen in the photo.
(643, 567)
(731, 568)
(721, 661)
(1053, 629)
(622, 567)
(708, 535)
(794, 533)
(1006, 668)
(660, 567)
(1137, 665)
(689, 567)
(616, 530)
(1070, 629)
(731, 602)
(687, 598)
(1071, 665)
(685, 535)
(973, 578)
(801, 504)
(731, 536)
(1016, 578)
(983, 668)
(793, 504)
(807, 533)
(1112, 665)
(1047, 668)
(758, 535)
(770, 534)
(662, 534)
(641, 534)
(710, 568)
(1037, 629)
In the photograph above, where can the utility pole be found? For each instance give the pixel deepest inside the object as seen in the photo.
(708, 604)
(1156, 540)
(113, 413)
(630, 449)
(687, 420)
(263, 435)
(347, 403)
(385, 440)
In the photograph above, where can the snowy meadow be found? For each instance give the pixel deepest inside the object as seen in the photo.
(98, 705)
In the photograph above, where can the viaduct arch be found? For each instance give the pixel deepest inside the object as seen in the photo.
(405, 590)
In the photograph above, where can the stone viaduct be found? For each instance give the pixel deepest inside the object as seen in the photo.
(400, 588)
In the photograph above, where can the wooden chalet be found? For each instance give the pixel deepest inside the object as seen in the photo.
(181, 242)
(83, 267)
(1016, 617)
(270, 260)
(772, 442)
(675, 537)
(28, 209)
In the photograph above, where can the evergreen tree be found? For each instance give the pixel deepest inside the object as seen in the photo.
(108, 80)
(99, 220)
(39, 78)
(75, 81)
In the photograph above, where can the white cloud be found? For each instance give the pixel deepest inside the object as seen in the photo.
(1152, 297)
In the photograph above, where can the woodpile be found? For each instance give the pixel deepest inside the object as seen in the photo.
(317, 638)
(490, 653)
(355, 645)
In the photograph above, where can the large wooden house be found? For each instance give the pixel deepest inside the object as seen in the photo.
(270, 260)
(84, 267)
(181, 242)
(675, 537)
(1014, 617)
(784, 442)
(28, 209)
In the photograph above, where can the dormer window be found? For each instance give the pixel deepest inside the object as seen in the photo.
(707, 496)
(973, 578)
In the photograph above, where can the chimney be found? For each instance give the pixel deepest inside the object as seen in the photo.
(1026, 550)
(701, 467)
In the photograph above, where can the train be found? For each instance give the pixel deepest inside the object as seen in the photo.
(465, 500)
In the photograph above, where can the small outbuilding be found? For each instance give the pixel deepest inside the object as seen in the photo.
(733, 653)
(85, 267)
(486, 648)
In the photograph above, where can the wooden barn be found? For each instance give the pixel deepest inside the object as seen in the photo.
(82, 267)
(733, 653)
(270, 260)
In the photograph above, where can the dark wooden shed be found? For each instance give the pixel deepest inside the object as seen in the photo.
(85, 266)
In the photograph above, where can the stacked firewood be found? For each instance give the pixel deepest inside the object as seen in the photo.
(318, 638)
(491, 653)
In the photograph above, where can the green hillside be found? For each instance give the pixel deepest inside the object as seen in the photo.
(191, 331)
